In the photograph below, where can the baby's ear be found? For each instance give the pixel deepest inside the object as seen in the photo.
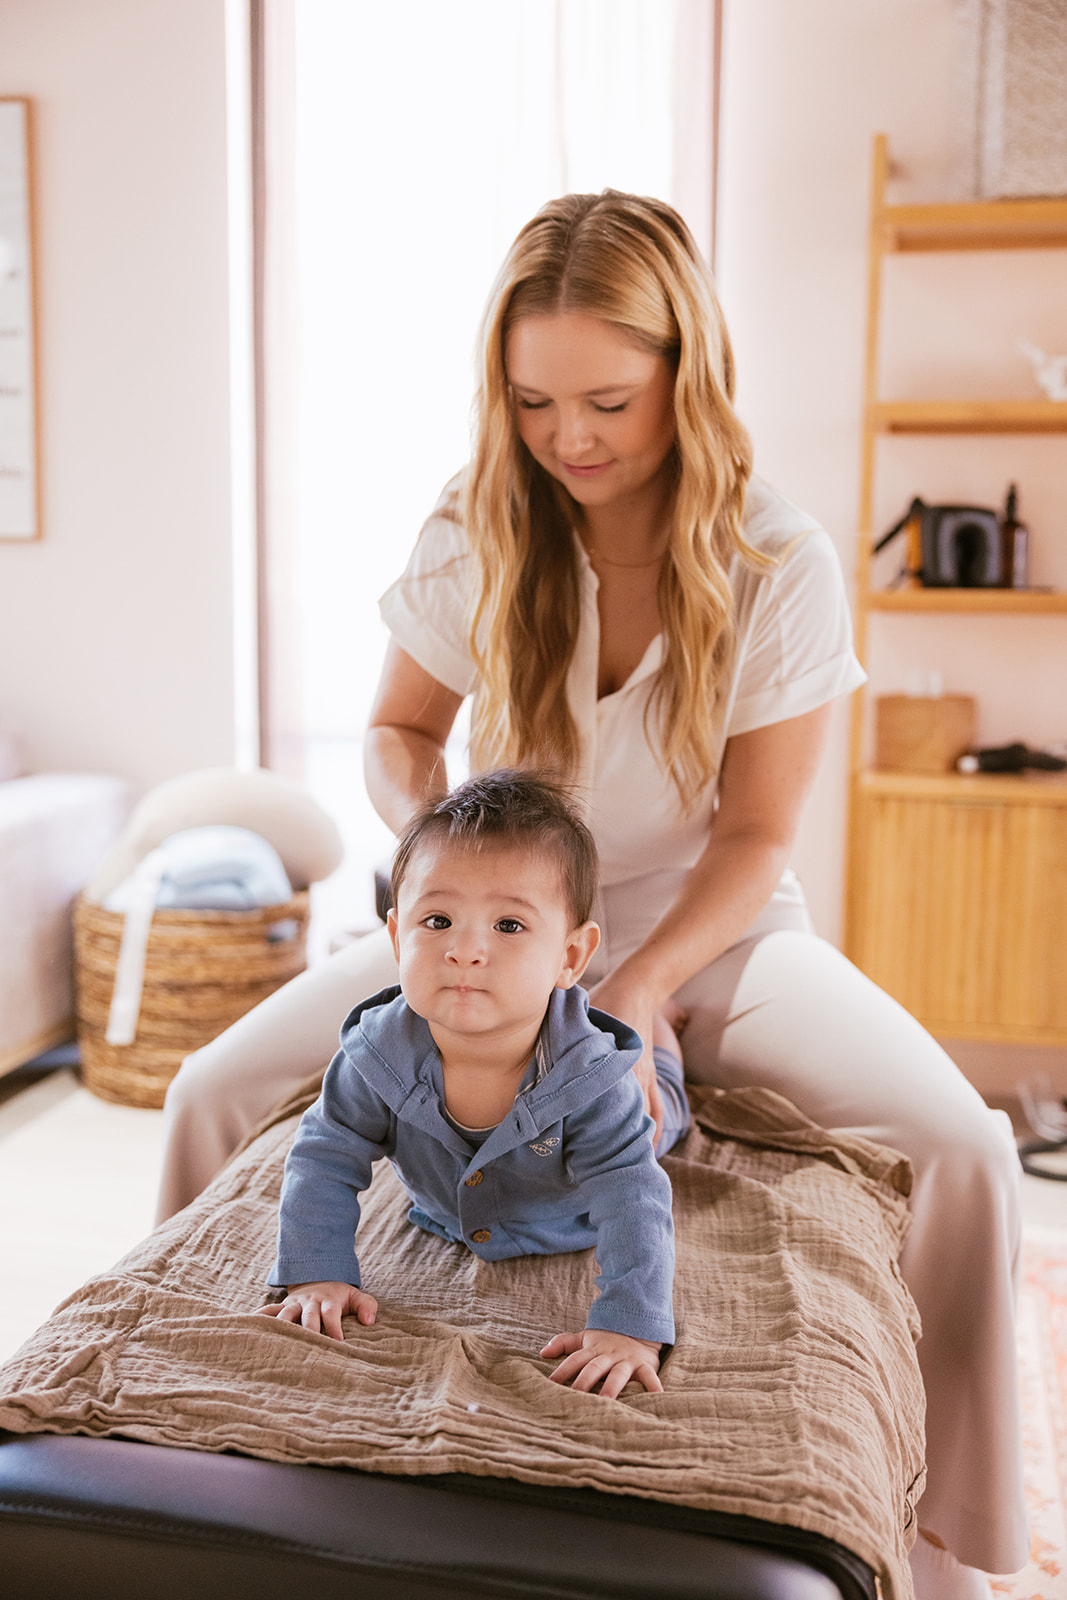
(394, 936)
(581, 947)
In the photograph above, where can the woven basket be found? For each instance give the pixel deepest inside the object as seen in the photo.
(203, 970)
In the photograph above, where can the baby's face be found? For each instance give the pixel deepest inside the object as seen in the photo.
(482, 936)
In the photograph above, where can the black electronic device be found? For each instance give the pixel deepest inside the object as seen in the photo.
(950, 547)
(1010, 758)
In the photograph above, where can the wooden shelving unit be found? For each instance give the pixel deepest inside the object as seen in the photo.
(957, 886)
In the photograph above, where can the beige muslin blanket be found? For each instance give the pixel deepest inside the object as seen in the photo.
(792, 1393)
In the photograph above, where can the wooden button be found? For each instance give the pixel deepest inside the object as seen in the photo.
(481, 1235)
(473, 1181)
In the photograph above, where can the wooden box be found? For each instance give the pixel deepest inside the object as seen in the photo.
(920, 733)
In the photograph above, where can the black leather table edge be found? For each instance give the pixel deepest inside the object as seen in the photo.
(297, 1517)
(815, 1548)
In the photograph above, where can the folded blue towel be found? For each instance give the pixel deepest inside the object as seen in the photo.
(217, 868)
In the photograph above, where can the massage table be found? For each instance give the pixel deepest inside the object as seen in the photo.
(159, 1440)
(109, 1519)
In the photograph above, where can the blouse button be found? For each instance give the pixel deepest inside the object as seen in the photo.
(481, 1236)
(471, 1182)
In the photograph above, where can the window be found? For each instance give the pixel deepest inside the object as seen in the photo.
(424, 135)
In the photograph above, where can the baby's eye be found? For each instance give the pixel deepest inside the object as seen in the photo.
(436, 922)
(509, 925)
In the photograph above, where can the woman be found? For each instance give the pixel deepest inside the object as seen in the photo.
(634, 611)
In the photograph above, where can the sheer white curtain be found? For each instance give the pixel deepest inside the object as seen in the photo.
(426, 134)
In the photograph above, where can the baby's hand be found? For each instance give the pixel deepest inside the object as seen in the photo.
(597, 1354)
(320, 1307)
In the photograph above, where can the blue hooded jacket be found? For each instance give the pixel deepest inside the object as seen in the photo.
(570, 1165)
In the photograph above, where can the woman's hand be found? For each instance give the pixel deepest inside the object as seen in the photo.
(610, 1359)
(764, 778)
(645, 1073)
(613, 995)
(319, 1307)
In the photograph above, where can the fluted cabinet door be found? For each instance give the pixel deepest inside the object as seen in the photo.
(959, 910)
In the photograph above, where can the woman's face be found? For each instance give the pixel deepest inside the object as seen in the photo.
(594, 409)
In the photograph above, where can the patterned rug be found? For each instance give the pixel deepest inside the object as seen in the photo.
(1043, 1377)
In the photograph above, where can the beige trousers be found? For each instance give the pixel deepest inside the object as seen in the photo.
(783, 1009)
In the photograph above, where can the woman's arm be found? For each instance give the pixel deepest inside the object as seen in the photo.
(765, 778)
(404, 751)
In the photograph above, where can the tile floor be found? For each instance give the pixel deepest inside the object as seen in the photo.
(78, 1183)
(77, 1189)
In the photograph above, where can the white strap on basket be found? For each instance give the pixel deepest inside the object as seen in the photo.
(129, 969)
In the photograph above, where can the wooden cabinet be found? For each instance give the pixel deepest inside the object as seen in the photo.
(959, 890)
(957, 887)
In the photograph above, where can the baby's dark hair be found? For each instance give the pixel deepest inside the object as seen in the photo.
(513, 808)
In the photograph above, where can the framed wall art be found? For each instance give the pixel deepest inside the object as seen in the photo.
(19, 500)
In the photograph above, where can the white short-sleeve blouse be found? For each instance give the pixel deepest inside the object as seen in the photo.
(793, 653)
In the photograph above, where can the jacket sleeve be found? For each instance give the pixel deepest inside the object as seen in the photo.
(609, 1152)
(339, 1138)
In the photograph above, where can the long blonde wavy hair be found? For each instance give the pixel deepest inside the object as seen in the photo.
(631, 262)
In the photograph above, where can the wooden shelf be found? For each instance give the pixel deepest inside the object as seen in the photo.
(981, 225)
(1000, 602)
(968, 416)
(981, 788)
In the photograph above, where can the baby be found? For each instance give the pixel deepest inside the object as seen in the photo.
(507, 1105)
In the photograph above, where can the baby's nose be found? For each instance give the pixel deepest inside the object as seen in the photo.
(467, 948)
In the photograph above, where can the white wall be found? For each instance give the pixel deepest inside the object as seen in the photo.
(805, 89)
(115, 628)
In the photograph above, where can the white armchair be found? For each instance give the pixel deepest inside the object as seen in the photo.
(54, 830)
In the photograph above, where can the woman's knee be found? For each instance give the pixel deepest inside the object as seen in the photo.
(192, 1084)
(972, 1152)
